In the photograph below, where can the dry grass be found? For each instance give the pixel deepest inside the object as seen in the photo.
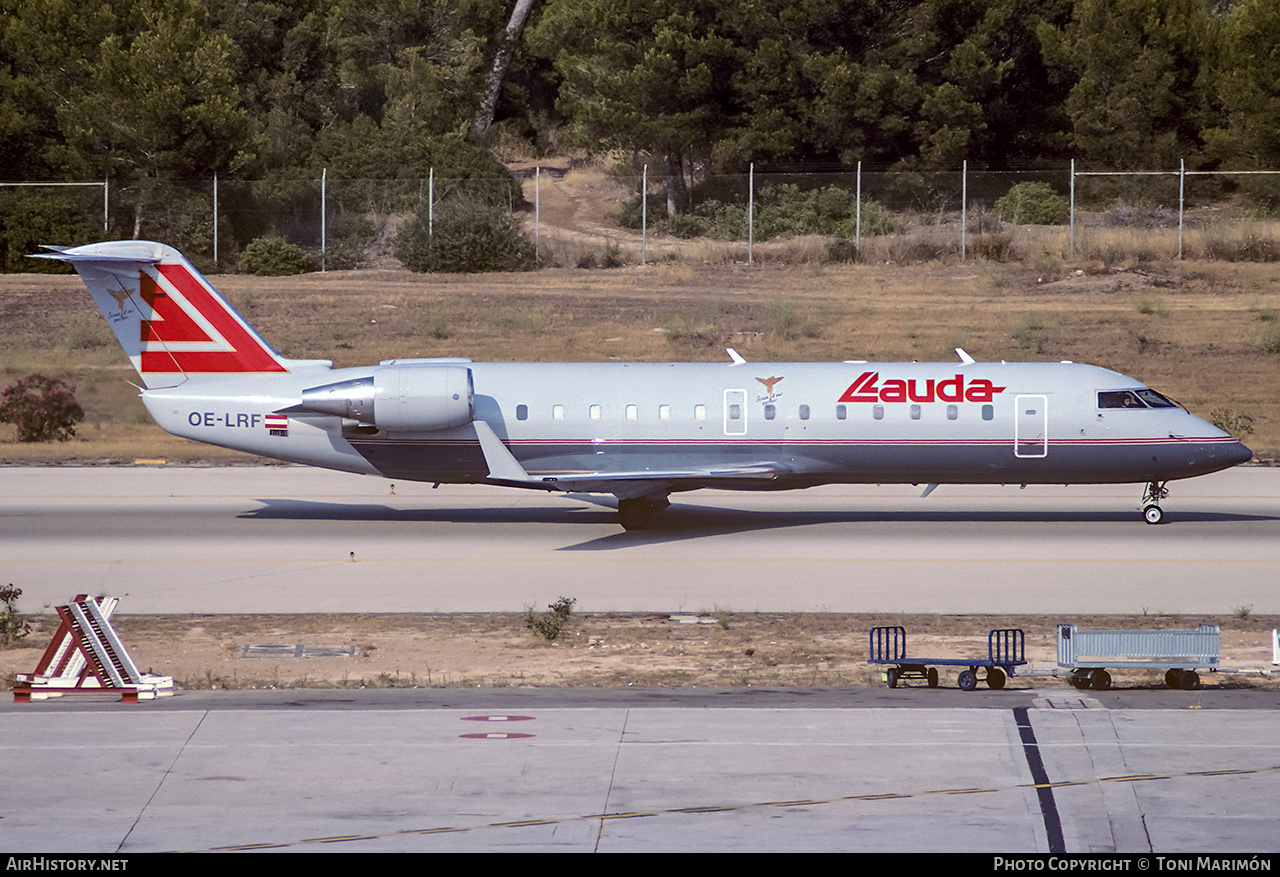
(1203, 332)
(496, 650)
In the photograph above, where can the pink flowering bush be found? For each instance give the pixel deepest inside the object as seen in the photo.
(42, 408)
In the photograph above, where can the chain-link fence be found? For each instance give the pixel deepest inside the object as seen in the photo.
(861, 214)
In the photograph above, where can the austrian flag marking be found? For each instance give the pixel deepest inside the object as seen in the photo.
(867, 388)
(277, 424)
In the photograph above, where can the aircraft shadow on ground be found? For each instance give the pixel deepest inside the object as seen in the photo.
(684, 521)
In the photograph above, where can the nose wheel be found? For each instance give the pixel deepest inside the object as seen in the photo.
(1151, 511)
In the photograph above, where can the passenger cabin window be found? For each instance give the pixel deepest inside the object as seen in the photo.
(633, 413)
(735, 411)
(522, 412)
(596, 413)
(557, 412)
(915, 412)
(988, 412)
(770, 412)
(842, 413)
(664, 412)
(699, 412)
(877, 411)
(953, 412)
(804, 412)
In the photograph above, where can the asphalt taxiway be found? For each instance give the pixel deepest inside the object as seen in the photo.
(1018, 771)
(294, 539)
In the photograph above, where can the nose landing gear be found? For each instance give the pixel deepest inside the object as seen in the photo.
(1151, 510)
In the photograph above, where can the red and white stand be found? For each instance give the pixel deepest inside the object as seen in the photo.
(86, 656)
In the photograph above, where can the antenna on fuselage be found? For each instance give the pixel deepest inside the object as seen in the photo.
(964, 357)
(735, 356)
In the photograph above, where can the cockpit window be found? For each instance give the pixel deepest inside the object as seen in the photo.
(1155, 400)
(1139, 398)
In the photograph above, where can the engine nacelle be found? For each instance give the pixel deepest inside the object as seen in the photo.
(399, 398)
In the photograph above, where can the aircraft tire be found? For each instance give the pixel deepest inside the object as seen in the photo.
(1153, 514)
(635, 514)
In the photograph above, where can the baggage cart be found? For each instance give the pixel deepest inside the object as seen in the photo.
(1088, 654)
(1005, 651)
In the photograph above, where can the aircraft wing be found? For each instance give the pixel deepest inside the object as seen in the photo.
(642, 483)
(505, 468)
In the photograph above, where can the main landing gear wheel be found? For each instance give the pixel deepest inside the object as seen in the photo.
(637, 513)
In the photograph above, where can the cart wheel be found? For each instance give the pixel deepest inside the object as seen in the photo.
(931, 676)
(1173, 677)
(995, 678)
(1079, 680)
(1189, 680)
(1100, 680)
(891, 677)
(967, 680)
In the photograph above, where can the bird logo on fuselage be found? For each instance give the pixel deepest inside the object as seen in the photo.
(769, 384)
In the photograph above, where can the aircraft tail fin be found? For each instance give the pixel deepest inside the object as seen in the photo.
(172, 324)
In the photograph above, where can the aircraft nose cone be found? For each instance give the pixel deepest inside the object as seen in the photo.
(1237, 453)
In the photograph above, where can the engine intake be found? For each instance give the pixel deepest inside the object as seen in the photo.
(399, 398)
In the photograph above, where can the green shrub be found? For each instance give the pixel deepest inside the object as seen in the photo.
(632, 216)
(276, 257)
(786, 211)
(1270, 340)
(12, 626)
(1033, 204)
(550, 626)
(42, 408)
(685, 227)
(465, 239)
(1232, 420)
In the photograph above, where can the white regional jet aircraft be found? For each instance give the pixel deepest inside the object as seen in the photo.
(640, 431)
